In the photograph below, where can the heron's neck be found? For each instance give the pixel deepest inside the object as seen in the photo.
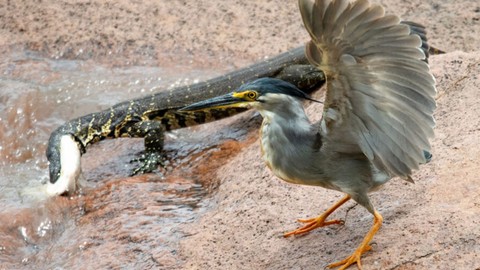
(287, 115)
(288, 141)
(289, 127)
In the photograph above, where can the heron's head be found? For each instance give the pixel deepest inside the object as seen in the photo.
(265, 94)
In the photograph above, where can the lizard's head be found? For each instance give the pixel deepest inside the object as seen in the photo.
(63, 154)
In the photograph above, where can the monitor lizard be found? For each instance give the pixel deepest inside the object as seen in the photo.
(150, 116)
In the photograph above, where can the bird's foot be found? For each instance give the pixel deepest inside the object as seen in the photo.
(148, 162)
(354, 258)
(313, 223)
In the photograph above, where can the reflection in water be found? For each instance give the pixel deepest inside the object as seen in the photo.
(118, 222)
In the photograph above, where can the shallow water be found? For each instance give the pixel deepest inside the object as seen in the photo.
(111, 220)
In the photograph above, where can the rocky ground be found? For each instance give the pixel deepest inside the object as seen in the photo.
(432, 224)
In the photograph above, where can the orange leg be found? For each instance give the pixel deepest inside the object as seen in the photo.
(313, 223)
(363, 247)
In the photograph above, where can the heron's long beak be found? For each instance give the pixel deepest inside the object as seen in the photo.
(225, 101)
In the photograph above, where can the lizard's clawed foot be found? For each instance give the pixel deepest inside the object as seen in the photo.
(149, 161)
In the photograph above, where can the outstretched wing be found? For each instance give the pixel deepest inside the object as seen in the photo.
(380, 94)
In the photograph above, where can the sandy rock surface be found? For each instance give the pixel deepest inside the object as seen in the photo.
(432, 224)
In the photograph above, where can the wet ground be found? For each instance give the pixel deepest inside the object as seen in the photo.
(37, 94)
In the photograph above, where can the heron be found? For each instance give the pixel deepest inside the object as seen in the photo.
(377, 114)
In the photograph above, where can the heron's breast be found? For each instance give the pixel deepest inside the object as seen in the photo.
(270, 147)
(265, 144)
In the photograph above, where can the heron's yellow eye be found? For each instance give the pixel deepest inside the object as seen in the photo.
(251, 95)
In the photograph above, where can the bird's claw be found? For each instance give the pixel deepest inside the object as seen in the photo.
(354, 258)
(313, 223)
(149, 161)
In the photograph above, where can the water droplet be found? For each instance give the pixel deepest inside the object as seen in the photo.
(44, 227)
(23, 232)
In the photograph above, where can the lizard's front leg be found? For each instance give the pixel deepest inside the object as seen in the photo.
(153, 134)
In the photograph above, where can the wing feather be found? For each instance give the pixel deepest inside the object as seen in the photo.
(380, 91)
